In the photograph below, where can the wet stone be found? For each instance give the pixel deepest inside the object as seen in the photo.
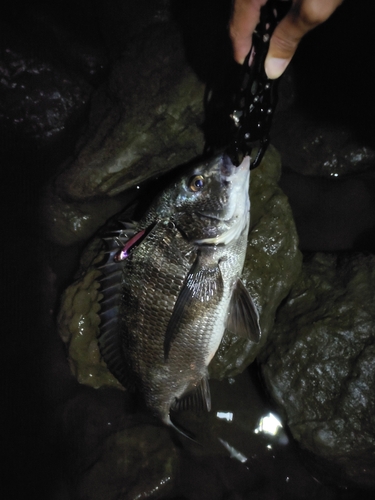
(143, 123)
(154, 106)
(138, 462)
(107, 453)
(273, 246)
(39, 97)
(320, 364)
(314, 147)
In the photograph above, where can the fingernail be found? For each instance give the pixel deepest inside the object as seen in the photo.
(275, 66)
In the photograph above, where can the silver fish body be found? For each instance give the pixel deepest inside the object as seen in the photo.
(171, 287)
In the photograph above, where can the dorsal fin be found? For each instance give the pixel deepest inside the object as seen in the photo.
(202, 284)
(109, 338)
(120, 243)
(243, 317)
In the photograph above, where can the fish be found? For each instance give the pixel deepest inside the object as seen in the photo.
(171, 285)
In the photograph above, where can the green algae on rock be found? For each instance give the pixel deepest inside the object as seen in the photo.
(78, 322)
(319, 366)
(273, 263)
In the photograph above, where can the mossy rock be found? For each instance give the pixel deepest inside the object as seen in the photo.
(273, 263)
(319, 366)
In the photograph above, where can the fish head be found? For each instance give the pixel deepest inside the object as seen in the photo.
(209, 203)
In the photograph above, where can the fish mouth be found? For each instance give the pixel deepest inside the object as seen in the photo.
(214, 217)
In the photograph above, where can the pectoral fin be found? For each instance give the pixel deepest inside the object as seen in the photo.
(202, 284)
(243, 317)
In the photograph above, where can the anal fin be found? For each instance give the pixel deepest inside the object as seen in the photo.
(199, 399)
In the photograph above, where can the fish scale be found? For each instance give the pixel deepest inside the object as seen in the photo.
(179, 287)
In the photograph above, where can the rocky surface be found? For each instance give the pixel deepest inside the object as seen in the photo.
(112, 451)
(49, 69)
(323, 125)
(60, 60)
(143, 123)
(320, 364)
(323, 150)
(332, 214)
(273, 245)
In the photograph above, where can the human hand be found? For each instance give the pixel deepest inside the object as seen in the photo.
(303, 16)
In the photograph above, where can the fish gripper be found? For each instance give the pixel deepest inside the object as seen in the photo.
(254, 96)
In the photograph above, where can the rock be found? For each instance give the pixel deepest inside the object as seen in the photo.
(108, 453)
(69, 222)
(273, 263)
(312, 147)
(149, 123)
(142, 124)
(320, 364)
(40, 97)
(137, 462)
(327, 128)
(332, 214)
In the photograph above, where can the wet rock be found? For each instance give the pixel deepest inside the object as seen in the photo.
(75, 38)
(332, 214)
(108, 455)
(241, 444)
(312, 147)
(320, 364)
(323, 125)
(70, 222)
(157, 103)
(40, 97)
(273, 263)
(138, 462)
(142, 124)
(122, 21)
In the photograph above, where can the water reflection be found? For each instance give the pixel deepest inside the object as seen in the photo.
(233, 453)
(271, 425)
(228, 416)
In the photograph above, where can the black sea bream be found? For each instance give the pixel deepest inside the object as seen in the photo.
(172, 286)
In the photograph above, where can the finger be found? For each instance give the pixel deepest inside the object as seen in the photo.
(245, 17)
(303, 17)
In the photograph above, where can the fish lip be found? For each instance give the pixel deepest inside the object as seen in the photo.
(213, 217)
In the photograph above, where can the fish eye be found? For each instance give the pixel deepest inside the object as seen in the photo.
(196, 183)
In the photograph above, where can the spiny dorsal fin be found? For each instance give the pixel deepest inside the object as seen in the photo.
(109, 337)
(199, 399)
(202, 284)
(243, 317)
